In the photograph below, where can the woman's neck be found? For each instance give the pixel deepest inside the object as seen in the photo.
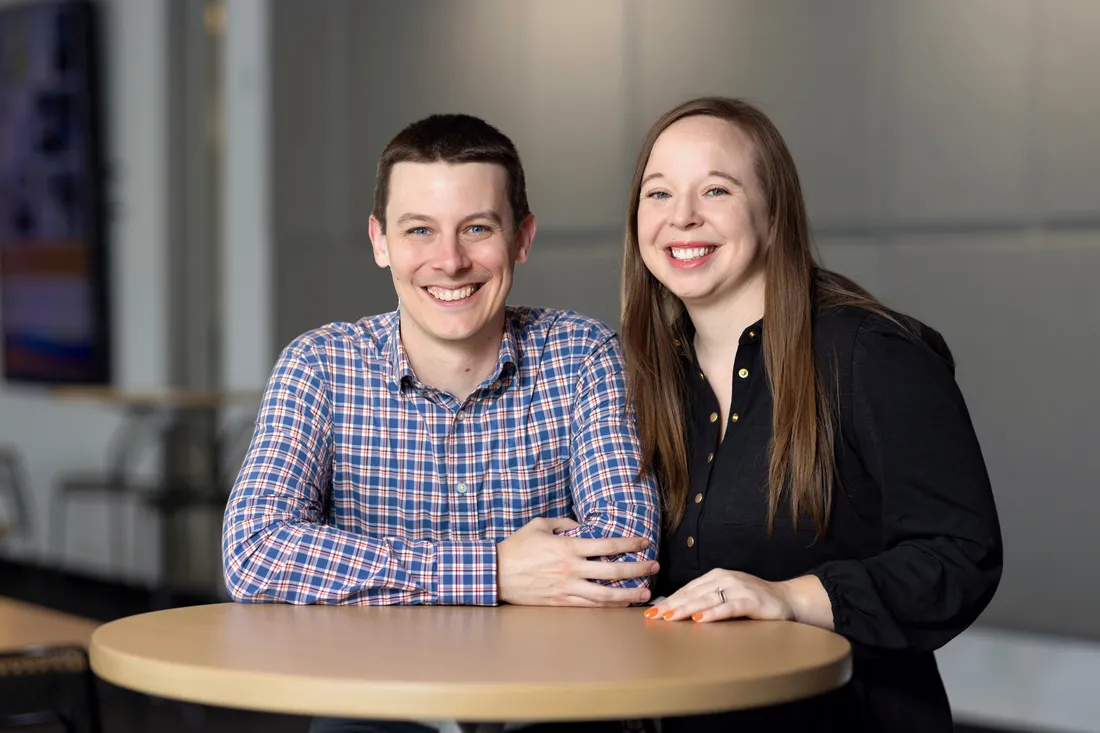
(718, 325)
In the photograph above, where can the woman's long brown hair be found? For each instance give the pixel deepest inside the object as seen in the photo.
(800, 458)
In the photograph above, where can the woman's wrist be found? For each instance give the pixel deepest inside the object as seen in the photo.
(808, 601)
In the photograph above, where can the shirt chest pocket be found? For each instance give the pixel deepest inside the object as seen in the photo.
(523, 486)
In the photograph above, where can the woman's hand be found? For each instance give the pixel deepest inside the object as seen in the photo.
(722, 594)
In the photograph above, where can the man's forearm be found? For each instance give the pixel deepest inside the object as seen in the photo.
(307, 563)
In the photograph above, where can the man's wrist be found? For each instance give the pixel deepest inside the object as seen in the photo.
(466, 573)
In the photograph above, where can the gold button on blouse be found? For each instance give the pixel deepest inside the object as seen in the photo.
(714, 417)
(691, 541)
(734, 417)
(698, 498)
(743, 373)
(710, 457)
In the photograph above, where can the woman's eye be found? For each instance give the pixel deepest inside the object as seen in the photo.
(657, 195)
(717, 191)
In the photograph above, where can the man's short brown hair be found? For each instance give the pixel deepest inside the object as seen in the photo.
(452, 138)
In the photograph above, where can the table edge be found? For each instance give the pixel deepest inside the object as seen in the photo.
(517, 702)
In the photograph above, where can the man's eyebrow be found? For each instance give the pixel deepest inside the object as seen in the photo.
(411, 218)
(487, 214)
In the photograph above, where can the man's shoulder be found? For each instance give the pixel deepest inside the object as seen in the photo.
(555, 327)
(366, 336)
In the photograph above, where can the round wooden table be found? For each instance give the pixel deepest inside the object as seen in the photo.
(502, 664)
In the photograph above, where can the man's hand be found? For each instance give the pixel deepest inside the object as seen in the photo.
(537, 567)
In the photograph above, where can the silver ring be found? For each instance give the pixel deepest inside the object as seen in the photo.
(721, 595)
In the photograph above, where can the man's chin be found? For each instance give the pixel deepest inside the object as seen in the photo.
(456, 332)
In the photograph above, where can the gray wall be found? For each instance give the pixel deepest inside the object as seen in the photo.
(949, 152)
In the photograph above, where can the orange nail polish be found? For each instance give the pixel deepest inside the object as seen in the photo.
(651, 612)
(668, 615)
(696, 617)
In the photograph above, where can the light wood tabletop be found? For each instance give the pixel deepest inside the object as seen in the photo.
(502, 664)
(25, 625)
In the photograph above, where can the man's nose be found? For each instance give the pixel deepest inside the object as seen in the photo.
(453, 258)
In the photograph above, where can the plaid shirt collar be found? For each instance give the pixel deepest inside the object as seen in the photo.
(401, 372)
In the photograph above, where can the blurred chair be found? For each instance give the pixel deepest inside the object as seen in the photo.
(204, 474)
(236, 437)
(14, 490)
(183, 493)
(118, 483)
(48, 685)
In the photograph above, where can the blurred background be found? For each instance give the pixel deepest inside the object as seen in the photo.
(185, 186)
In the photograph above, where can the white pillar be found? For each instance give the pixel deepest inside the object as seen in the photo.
(247, 253)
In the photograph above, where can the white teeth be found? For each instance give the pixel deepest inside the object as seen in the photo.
(694, 253)
(449, 295)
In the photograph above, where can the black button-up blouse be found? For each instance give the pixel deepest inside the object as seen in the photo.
(912, 554)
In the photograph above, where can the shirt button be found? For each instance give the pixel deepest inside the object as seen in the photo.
(460, 416)
(702, 376)
(713, 417)
(752, 334)
(734, 417)
(710, 457)
(461, 488)
(698, 498)
(691, 541)
(743, 373)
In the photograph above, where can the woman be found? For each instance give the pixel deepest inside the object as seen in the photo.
(817, 459)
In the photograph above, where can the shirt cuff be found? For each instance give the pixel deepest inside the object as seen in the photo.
(466, 573)
(841, 615)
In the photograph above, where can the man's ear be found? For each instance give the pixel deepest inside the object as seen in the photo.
(378, 242)
(525, 237)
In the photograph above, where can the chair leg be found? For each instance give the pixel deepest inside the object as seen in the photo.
(114, 527)
(58, 519)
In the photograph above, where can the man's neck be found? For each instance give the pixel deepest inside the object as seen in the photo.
(457, 367)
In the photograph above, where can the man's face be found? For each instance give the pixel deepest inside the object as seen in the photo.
(451, 247)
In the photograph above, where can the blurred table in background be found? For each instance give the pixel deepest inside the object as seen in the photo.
(25, 624)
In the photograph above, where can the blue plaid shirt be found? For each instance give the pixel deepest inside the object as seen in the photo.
(364, 486)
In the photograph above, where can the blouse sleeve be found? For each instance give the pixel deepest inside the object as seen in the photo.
(942, 559)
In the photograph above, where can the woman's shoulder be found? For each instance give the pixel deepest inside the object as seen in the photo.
(877, 334)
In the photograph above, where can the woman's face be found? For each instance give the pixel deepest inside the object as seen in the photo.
(702, 220)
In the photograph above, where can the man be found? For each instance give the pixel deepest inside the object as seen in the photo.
(439, 454)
